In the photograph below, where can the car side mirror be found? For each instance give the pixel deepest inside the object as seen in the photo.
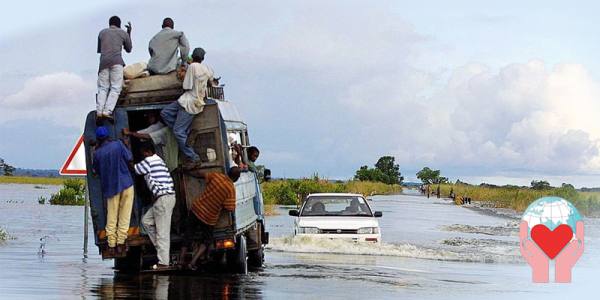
(378, 214)
(267, 175)
(293, 212)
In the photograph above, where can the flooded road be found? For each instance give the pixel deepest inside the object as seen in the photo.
(432, 250)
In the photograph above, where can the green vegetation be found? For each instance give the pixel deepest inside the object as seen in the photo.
(6, 168)
(385, 171)
(72, 193)
(519, 198)
(291, 191)
(33, 180)
(429, 176)
(4, 235)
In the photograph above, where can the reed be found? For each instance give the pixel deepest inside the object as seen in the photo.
(33, 180)
(519, 198)
(292, 191)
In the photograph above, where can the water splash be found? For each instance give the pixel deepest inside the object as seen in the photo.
(318, 245)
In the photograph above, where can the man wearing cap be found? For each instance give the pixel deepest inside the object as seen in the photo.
(179, 115)
(111, 163)
(163, 49)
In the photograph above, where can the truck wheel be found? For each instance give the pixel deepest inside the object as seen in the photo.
(238, 259)
(256, 258)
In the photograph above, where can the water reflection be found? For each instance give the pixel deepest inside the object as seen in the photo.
(152, 286)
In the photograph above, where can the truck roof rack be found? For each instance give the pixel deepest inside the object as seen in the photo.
(158, 89)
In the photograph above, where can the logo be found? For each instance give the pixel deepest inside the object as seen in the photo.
(551, 229)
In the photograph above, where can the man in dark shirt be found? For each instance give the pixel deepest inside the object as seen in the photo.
(111, 162)
(110, 73)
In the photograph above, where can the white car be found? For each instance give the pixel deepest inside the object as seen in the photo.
(337, 216)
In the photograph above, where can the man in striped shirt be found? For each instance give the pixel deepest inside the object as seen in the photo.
(157, 220)
(218, 194)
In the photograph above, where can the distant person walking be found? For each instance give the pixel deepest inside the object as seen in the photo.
(163, 49)
(111, 40)
(179, 114)
(111, 163)
(157, 220)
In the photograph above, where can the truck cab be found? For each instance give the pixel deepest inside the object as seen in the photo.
(239, 236)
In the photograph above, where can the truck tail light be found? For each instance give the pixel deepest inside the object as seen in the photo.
(225, 244)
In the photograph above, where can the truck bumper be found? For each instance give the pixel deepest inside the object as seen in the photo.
(369, 238)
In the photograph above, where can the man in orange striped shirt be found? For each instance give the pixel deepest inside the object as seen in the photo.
(219, 193)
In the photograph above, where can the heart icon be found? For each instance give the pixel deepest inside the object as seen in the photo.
(551, 242)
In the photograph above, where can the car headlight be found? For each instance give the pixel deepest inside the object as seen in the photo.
(368, 230)
(308, 230)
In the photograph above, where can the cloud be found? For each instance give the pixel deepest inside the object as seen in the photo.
(523, 117)
(327, 87)
(63, 98)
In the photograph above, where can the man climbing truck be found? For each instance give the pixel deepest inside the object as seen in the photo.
(238, 237)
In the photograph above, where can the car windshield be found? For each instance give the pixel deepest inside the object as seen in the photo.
(336, 206)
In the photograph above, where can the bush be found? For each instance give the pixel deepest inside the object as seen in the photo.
(4, 235)
(72, 193)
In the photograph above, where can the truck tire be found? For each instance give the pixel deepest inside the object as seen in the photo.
(256, 258)
(238, 259)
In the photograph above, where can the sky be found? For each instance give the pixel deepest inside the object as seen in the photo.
(502, 92)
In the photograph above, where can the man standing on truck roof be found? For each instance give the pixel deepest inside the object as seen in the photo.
(179, 114)
(111, 162)
(162, 136)
(157, 220)
(163, 49)
(110, 73)
(218, 194)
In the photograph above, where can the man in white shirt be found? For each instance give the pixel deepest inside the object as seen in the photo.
(161, 136)
(179, 114)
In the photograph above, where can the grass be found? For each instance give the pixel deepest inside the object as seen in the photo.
(519, 198)
(4, 235)
(292, 191)
(33, 180)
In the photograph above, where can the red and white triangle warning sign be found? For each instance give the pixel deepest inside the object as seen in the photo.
(75, 163)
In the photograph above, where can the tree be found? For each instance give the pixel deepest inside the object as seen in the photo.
(540, 185)
(429, 176)
(385, 171)
(368, 174)
(7, 169)
(390, 170)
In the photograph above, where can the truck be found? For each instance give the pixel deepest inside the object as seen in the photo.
(239, 237)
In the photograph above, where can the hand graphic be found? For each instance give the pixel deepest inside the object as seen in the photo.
(535, 257)
(567, 258)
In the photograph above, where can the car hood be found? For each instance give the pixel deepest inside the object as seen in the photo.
(338, 222)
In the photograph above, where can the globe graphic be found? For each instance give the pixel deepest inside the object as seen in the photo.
(552, 212)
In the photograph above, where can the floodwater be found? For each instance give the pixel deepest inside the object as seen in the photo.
(432, 250)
